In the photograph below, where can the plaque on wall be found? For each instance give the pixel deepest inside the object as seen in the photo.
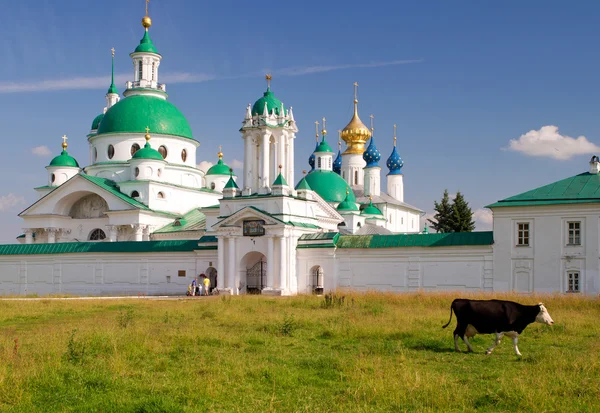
(254, 228)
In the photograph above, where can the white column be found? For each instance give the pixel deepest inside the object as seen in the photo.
(265, 162)
(270, 266)
(220, 263)
(274, 162)
(138, 232)
(146, 233)
(247, 160)
(51, 235)
(281, 159)
(256, 156)
(282, 271)
(231, 266)
(112, 233)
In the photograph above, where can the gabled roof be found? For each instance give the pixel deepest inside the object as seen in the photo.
(578, 189)
(193, 220)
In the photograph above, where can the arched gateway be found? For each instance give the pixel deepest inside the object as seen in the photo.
(253, 273)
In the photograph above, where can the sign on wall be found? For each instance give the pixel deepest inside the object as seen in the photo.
(254, 228)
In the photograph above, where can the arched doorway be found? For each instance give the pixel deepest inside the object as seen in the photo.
(211, 273)
(316, 279)
(253, 268)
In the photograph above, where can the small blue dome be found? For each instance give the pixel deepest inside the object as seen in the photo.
(312, 158)
(337, 164)
(372, 155)
(395, 163)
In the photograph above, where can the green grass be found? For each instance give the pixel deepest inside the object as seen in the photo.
(368, 353)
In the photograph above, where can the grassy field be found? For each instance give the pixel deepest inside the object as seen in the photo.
(369, 353)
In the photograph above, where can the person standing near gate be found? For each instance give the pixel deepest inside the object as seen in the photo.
(194, 285)
(206, 283)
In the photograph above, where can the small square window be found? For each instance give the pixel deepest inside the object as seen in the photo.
(573, 282)
(523, 234)
(574, 233)
(181, 273)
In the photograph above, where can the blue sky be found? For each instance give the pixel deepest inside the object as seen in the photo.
(461, 79)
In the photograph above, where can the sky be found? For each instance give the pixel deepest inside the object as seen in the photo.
(491, 98)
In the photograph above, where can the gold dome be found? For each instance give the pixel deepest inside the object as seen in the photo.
(146, 22)
(355, 134)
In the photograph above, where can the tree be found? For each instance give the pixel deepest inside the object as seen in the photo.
(461, 217)
(443, 211)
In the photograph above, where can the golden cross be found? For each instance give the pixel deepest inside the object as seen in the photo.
(355, 90)
(64, 138)
(113, 52)
(268, 77)
(147, 129)
(317, 129)
(372, 128)
(220, 148)
(147, 1)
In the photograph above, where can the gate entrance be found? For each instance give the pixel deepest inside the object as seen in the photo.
(256, 277)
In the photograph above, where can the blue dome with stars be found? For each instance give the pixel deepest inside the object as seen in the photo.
(337, 164)
(312, 158)
(395, 163)
(372, 155)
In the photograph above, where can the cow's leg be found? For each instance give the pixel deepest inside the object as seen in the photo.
(496, 342)
(459, 332)
(515, 339)
(467, 343)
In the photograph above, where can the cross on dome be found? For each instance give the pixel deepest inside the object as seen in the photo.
(64, 144)
(372, 122)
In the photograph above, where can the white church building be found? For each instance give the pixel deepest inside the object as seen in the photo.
(141, 218)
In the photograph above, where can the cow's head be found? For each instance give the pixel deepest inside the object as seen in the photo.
(543, 316)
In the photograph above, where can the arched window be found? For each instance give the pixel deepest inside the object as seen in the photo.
(159, 172)
(163, 151)
(97, 235)
(329, 163)
(135, 194)
(53, 178)
(95, 154)
(134, 148)
(137, 171)
(317, 280)
(319, 162)
(183, 155)
(212, 185)
(160, 195)
(140, 70)
(153, 70)
(111, 151)
(355, 177)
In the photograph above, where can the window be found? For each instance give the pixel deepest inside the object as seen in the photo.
(53, 178)
(163, 151)
(181, 273)
(319, 162)
(573, 282)
(329, 163)
(140, 70)
(135, 194)
(137, 171)
(159, 172)
(160, 195)
(212, 185)
(183, 155)
(355, 177)
(97, 235)
(523, 234)
(402, 221)
(134, 148)
(153, 70)
(574, 237)
(95, 154)
(111, 151)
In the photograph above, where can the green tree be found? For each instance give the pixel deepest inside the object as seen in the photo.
(443, 211)
(461, 217)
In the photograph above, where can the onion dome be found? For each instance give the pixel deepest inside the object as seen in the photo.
(96, 121)
(324, 146)
(329, 185)
(64, 159)
(147, 152)
(346, 205)
(371, 210)
(372, 155)
(337, 163)
(394, 162)
(220, 168)
(146, 45)
(269, 100)
(355, 134)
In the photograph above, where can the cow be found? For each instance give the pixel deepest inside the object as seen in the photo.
(497, 317)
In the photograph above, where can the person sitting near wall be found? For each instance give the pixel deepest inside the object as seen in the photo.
(206, 285)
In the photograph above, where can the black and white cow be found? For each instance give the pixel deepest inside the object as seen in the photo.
(494, 317)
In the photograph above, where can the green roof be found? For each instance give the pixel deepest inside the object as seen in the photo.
(113, 188)
(231, 183)
(146, 45)
(220, 168)
(96, 121)
(371, 210)
(449, 239)
(206, 239)
(100, 247)
(346, 205)
(147, 152)
(578, 189)
(64, 159)
(303, 185)
(271, 101)
(329, 185)
(134, 113)
(280, 180)
(193, 220)
(324, 146)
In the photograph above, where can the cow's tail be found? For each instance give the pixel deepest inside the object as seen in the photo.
(448, 323)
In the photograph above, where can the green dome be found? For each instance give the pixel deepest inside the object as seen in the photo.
(97, 121)
(219, 169)
(135, 113)
(371, 210)
(347, 205)
(147, 153)
(324, 146)
(329, 185)
(146, 45)
(272, 103)
(64, 159)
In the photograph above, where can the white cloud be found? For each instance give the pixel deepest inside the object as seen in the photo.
(204, 165)
(41, 151)
(548, 142)
(10, 200)
(235, 164)
(307, 70)
(483, 219)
